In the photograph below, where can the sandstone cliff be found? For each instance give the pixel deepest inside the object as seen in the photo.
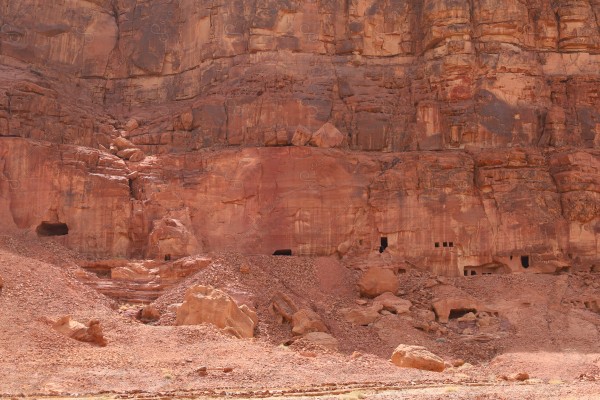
(509, 89)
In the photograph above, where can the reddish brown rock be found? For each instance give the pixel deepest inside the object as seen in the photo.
(322, 339)
(417, 357)
(204, 304)
(377, 281)
(91, 333)
(305, 321)
(362, 315)
(392, 303)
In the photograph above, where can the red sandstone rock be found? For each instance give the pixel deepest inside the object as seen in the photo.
(511, 88)
(417, 357)
(377, 281)
(92, 332)
(208, 305)
(305, 321)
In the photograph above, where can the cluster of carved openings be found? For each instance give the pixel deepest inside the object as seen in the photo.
(444, 244)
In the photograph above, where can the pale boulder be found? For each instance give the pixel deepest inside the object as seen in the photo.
(205, 304)
(417, 357)
(377, 281)
(362, 315)
(90, 333)
(392, 303)
(306, 321)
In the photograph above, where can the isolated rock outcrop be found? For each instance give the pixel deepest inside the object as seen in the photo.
(444, 307)
(91, 332)
(362, 315)
(417, 357)
(283, 307)
(205, 304)
(305, 321)
(393, 303)
(377, 281)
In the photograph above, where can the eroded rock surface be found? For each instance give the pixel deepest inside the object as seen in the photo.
(417, 357)
(366, 91)
(90, 332)
(205, 304)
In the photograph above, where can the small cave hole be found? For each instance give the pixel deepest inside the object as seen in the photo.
(473, 272)
(167, 257)
(525, 261)
(283, 252)
(466, 272)
(52, 229)
(384, 244)
(445, 244)
(437, 244)
(461, 312)
(450, 244)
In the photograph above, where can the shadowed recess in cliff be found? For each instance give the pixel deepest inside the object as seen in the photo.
(52, 229)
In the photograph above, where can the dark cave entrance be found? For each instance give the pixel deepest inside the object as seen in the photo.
(383, 244)
(456, 313)
(52, 229)
(525, 261)
(283, 252)
(167, 257)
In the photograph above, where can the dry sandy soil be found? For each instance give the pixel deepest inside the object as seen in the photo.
(538, 333)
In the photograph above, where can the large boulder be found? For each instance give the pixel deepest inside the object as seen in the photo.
(205, 304)
(327, 136)
(90, 333)
(306, 321)
(464, 304)
(377, 281)
(283, 307)
(362, 315)
(417, 357)
(393, 303)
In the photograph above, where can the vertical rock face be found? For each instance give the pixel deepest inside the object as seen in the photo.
(508, 89)
(390, 75)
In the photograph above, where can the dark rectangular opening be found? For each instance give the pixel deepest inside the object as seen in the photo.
(525, 261)
(473, 272)
(445, 244)
(451, 244)
(167, 257)
(384, 244)
(283, 252)
(466, 273)
(52, 229)
(437, 244)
